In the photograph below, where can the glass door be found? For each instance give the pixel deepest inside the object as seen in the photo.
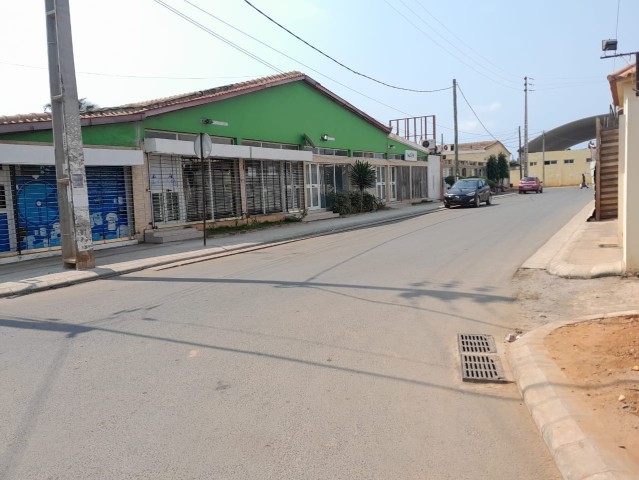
(393, 184)
(312, 186)
(380, 175)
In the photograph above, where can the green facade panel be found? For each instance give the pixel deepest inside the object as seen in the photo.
(280, 114)
(117, 135)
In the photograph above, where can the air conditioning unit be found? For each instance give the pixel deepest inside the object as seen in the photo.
(431, 145)
(448, 148)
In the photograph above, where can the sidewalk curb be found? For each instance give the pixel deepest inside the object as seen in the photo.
(73, 277)
(553, 258)
(556, 413)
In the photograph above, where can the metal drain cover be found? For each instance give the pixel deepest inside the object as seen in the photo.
(481, 368)
(475, 343)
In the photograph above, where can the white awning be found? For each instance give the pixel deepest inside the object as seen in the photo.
(20, 154)
(185, 148)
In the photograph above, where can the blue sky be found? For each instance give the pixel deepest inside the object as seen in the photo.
(124, 48)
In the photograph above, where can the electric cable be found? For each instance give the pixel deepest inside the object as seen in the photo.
(448, 51)
(333, 59)
(482, 65)
(472, 110)
(219, 37)
(293, 59)
(144, 77)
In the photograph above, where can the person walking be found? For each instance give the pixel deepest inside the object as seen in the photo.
(583, 181)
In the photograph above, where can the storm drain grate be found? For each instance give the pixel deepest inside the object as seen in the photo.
(481, 368)
(476, 343)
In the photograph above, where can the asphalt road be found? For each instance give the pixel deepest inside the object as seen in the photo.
(329, 358)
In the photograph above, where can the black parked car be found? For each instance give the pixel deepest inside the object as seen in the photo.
(469, 191)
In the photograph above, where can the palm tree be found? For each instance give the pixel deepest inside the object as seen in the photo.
(83, 104)
(363, 175)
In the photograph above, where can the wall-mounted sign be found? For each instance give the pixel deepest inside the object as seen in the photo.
(410, 155)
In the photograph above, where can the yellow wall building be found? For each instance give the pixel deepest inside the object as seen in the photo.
(472, 157)
(560, 168)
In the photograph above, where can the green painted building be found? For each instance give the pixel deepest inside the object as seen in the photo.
(281, 144)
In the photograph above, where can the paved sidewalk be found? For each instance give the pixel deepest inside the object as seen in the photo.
(37, 274)
(580, 250)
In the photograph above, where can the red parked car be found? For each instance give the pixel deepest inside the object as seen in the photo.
(531, 184)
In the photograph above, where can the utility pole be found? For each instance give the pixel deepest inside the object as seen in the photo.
(543, 156)
(456, 132)
(526, 126)
(73, 199)
(519, 153)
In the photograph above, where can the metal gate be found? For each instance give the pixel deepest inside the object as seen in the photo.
(29, 214)
(273, 186)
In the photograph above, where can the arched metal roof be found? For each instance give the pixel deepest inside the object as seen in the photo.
(567, 135)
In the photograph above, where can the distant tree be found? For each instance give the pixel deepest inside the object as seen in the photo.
(492, 169)
(363, 175)
(83, 104)
(502, 166)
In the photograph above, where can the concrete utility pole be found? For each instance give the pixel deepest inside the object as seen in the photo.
(456, 132)
(519, 154)
(526, 126)
(73, 199)
(543, 156)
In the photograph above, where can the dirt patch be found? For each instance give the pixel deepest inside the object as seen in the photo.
(597, 357)
(601, 361)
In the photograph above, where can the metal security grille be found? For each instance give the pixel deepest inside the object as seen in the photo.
(273, 186)
(419, 177)
(474, 343)
(227, 196)
(403, 183)
(294, 180)
(29, 214)
(481, 368)
(180, 188)
(195, 193)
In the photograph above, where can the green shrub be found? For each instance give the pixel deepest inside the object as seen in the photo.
(356, 198)
(368, 202)
(450, 179)
(341, 203)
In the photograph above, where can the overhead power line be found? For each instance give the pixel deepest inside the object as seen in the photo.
(472, 110)
(219, 37)
(209, 31)
(454, 45)
(447, 50)
(143, 77)
(337, 61)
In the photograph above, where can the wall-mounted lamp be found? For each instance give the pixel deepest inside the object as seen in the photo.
(326, 138)
(390, 147)
(609, 45)
(208, 121)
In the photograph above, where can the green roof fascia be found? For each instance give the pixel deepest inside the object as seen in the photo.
(113, 135)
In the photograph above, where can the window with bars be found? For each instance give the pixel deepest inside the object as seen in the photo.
(187, 137)
(360, 154)
(331, 152)
(279, 146)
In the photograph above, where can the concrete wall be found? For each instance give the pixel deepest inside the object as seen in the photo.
(630, 219)
(560, 174)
